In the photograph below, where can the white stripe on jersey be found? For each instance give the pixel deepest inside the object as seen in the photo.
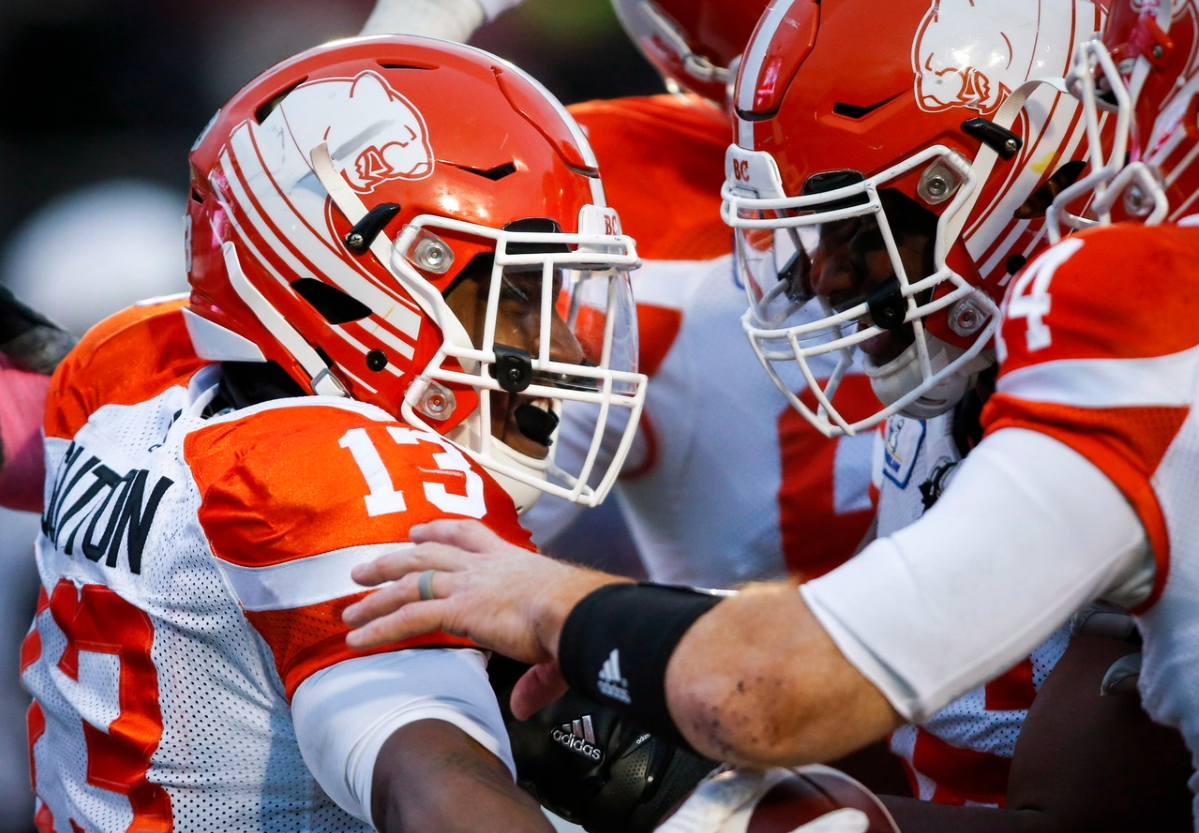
(1106, 383)
(309, 581)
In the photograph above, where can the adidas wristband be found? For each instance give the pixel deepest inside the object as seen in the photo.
(617, 641)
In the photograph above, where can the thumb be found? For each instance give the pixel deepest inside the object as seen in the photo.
(540, 686)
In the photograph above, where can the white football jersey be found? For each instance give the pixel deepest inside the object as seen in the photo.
(726, 483)
(1100, 351)
(193, 575)
(963, 753)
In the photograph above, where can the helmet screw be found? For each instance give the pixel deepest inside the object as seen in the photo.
(1134, 201)
(356, 242)
(1158, 52)
(937, 186)
(376, 360)
(436, 402)
(1014, 264)
(965, 318)
(432, 255)
(1011, 146)
(968, 319)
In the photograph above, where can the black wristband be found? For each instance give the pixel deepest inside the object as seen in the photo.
(617, 641)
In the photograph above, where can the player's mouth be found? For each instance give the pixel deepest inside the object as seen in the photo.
(887, 346)
(527, 424)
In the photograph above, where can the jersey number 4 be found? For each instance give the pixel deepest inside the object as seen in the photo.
(1030, 295)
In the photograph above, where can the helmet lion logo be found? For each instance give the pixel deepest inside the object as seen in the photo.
(966, 55)
(375, 134)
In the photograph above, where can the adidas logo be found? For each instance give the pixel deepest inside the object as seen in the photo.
(611, 684)
(578, 736)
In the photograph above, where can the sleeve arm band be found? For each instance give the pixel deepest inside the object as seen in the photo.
(345, 713)
(1028, 531)
(617, 641)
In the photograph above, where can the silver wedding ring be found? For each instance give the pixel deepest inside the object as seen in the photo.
(425, 585)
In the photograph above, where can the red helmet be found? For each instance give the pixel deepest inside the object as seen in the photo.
(908, 123)
(1145, 71)
(781, 800)
(694, 44)
(343, 195)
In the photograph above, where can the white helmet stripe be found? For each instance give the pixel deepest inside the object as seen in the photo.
(755, 56)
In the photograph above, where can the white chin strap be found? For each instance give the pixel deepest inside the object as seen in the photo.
(524, 495)
(898, 377)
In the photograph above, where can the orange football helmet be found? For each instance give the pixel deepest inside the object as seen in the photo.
(873, 126)
(343, 195)
(694, 44)
(1145, 72)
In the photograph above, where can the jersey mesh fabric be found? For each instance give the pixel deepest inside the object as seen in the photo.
(158, 703)
(962, 754)
(228, 757)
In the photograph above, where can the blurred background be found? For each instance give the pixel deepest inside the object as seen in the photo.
(99, 102)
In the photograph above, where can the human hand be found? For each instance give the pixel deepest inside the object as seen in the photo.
(28, 339)
(501, 597)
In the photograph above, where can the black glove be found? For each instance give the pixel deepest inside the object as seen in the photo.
(585, 763)
(29, 339)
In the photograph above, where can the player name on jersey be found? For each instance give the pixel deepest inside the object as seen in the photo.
(98, 508)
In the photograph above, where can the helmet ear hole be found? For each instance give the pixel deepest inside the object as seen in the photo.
(335, 306)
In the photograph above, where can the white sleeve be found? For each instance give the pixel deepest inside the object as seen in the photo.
(1028, 531)
(495, 7)
(454, 20)
(343, 714)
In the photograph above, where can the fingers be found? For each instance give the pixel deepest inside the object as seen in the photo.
(383, 601)
(541, 685)
(400, 563)
(467, 535)
(409, 621)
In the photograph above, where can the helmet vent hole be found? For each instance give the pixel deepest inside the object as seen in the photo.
(494, 174)
(404, 65)
(334, 306)
(264, 111)
(853, 111)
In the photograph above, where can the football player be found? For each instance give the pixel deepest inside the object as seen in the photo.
(1005, 510)
(954, 199)
(798, 502)
(31, 346)
(401, 262)
(964, 754)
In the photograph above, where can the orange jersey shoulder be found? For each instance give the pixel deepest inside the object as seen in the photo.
(128, 358)
(662, 162)
(294, 493)
(1097, 342)
(297, 479)
(1119, 292)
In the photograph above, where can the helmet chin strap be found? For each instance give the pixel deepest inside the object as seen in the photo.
(499, 454)
(898, 377)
